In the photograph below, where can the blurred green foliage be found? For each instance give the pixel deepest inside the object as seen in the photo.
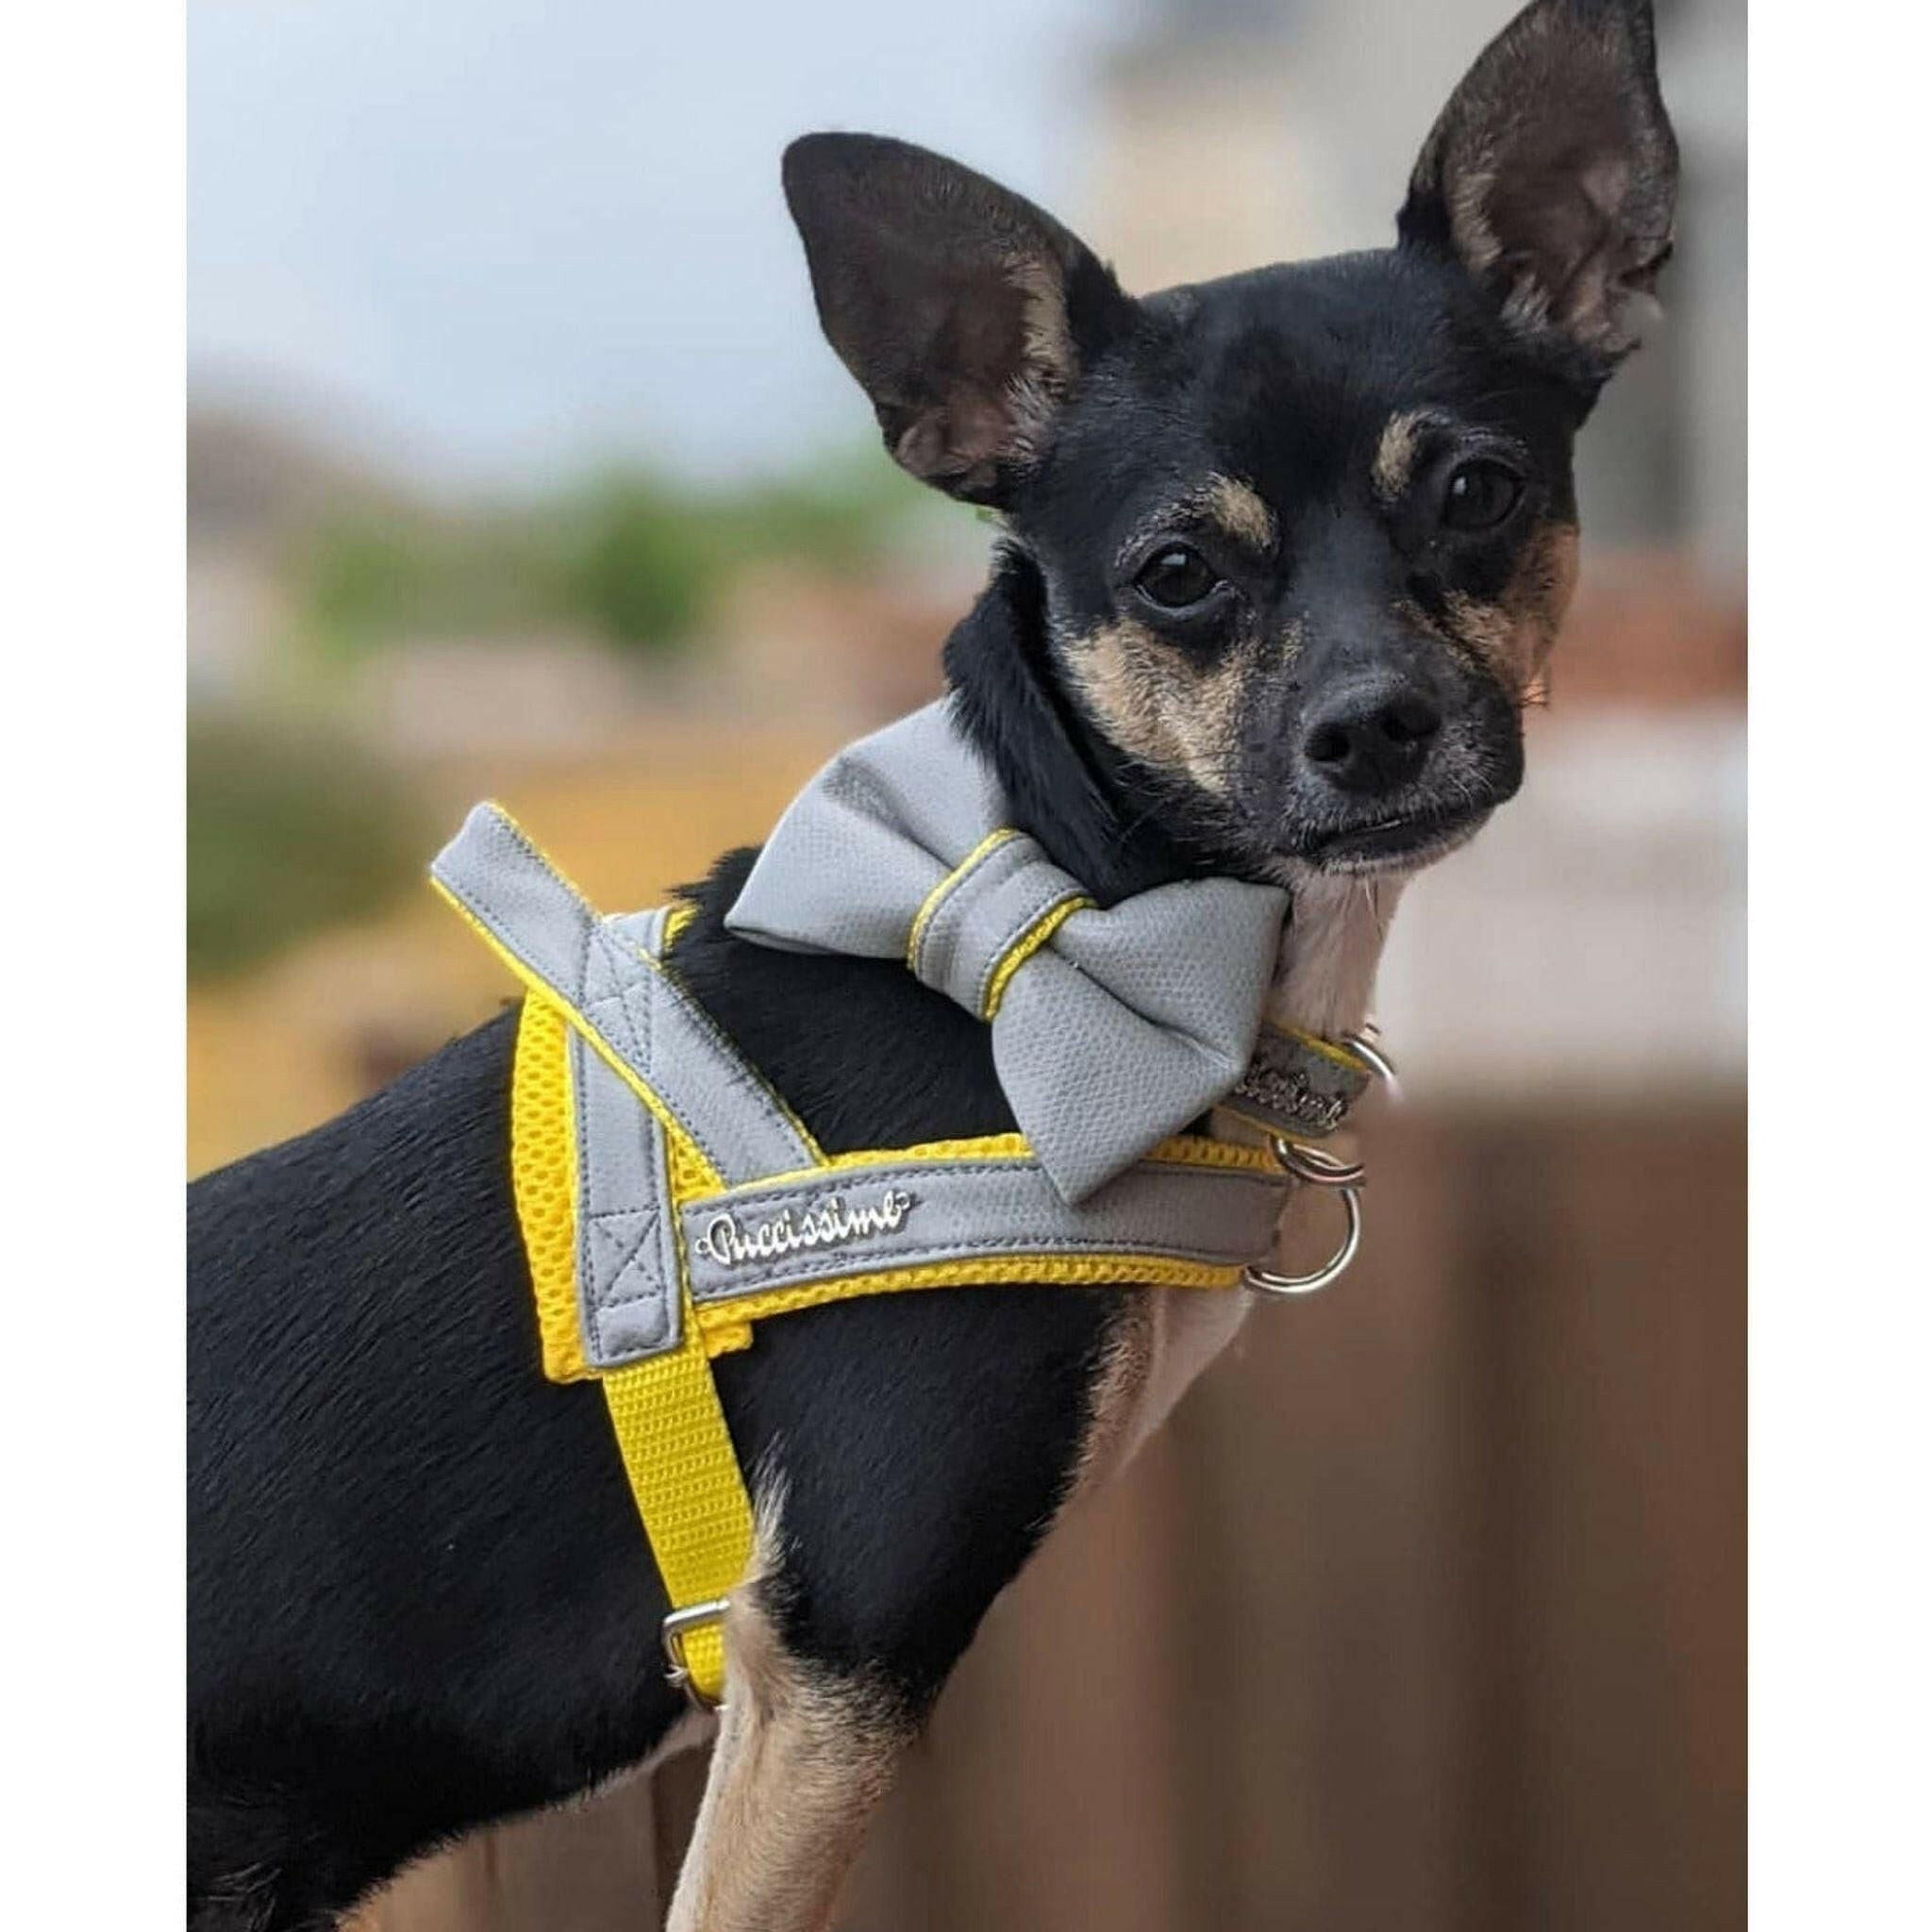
(292, 829)
(287, 833)
(629, 556)
(367, 576)
(634, 563)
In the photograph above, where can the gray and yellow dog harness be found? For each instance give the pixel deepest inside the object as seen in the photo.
(669, 1200)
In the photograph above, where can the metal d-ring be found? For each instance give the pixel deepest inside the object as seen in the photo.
(672, 1636)
(1363, 1046)
(1316, 1168)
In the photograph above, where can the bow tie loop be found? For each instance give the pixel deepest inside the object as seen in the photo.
(986, 917)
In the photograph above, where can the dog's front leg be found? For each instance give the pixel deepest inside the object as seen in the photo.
(802, 1757)
(909, 1452)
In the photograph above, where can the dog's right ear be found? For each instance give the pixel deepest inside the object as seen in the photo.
(965, 312)
(1552, 176)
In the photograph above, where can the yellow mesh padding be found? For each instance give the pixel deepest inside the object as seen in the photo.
(693, 1178)
(727, 1325)
(1196, 1150)
(933, 1153)
(1180, 1150)
(543, 1177)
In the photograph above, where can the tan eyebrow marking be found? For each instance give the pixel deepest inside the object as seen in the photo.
(1240, 510)
(1236, 507)
(1395, 453)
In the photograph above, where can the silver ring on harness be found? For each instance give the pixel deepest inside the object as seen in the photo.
(1316, 1168)
(1364, 1047)
(672, 1636)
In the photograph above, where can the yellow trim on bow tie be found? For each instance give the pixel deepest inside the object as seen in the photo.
(1037, 935)
(936, 898)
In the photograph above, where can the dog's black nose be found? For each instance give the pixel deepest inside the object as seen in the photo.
(1372, 736)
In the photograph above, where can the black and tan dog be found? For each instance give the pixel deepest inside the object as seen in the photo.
(1283, 552)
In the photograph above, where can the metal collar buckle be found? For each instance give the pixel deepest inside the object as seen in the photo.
(1315, 1167)
(672, 1636)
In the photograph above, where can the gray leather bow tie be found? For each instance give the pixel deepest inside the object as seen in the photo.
(1110, 1029)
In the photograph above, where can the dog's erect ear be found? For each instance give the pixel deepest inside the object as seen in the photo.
(964, 311)
(1551, 174)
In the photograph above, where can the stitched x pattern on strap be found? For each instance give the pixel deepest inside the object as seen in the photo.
(627, 1268)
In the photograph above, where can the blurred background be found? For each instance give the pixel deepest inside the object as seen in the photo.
(517, 467)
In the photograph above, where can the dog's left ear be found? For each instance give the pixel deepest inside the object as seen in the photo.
(965, 312)
(1552, 176)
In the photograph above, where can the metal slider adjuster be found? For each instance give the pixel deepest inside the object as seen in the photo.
(1315, 1167)
(672, 1636)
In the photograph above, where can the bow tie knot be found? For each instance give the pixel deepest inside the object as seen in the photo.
(1111, 1028)
(986, 917)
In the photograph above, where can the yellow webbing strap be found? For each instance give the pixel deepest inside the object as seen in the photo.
(688, 1489)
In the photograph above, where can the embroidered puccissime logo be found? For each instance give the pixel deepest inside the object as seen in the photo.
(1287, 1091)
(1294, 1084)
(828, 1223)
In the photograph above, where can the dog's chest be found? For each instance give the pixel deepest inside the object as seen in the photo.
(1164, 1339)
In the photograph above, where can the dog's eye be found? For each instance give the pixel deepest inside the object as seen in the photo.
(1175, 577)
(1480, 495)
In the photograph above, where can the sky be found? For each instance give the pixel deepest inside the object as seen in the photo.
(494, 240)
